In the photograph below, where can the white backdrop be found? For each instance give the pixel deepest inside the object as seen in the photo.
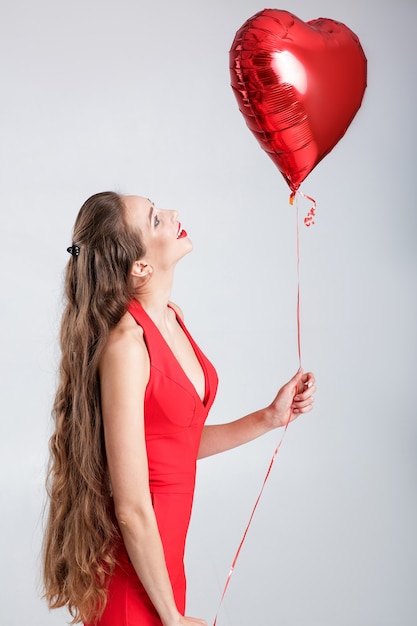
(135, 96)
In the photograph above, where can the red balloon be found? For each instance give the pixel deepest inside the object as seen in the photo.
(298, 85)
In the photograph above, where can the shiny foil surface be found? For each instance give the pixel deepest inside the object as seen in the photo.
(298, 86)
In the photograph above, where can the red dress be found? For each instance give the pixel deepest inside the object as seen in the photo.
(174, 419)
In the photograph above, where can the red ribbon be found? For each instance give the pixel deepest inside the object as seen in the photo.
(251, 517)
(308, 221)
(309, 218)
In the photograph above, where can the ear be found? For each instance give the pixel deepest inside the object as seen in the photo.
(141, 269)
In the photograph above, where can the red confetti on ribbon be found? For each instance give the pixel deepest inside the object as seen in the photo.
(309, 219)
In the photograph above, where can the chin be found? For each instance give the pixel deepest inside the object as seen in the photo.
(188, 245)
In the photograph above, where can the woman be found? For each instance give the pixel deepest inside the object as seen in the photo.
(133, 395)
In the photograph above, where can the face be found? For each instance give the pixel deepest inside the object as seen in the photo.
(163, 236)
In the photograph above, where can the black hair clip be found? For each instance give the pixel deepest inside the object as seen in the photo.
(74, 250)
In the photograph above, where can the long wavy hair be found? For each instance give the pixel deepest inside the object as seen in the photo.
(78, 552)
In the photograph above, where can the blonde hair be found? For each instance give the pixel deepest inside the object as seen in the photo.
(78, 552)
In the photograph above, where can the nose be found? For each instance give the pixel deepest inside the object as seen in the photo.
(174, 215)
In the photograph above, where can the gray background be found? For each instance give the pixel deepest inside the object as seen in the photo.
(135, 96)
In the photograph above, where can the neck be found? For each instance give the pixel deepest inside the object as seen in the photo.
(154, 296)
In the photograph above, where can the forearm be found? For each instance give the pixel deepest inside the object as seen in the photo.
(221, 437)
(144, 546)
(294, 398)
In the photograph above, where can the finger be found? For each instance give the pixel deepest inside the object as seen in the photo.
(304, 394)
(301, 406)
(302, 402)
(298, 411)
(308, 379)
(302, 382)
(296, 381)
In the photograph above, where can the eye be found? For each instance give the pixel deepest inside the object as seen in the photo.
(156, 220)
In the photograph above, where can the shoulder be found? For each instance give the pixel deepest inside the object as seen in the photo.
(177, 310)
(125, 346)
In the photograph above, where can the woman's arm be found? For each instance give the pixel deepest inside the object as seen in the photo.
(294, 398)
(124, 373)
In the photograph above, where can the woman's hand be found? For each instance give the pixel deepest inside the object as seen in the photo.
(294, 398)
(182, 620)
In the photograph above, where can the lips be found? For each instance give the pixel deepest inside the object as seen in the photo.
(181, 232)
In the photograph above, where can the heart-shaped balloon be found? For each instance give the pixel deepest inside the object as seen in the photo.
(298, 86)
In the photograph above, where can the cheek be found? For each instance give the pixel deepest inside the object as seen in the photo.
(162, 242)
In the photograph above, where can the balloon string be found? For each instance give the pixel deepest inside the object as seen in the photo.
(308, 221)
(297, 229)
(252, 514)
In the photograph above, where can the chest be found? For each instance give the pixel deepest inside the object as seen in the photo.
(187, 359)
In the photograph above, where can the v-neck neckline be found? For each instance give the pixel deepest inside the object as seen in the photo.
(194, 347)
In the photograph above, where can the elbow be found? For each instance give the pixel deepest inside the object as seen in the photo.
(130, 517)
(125, 518)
